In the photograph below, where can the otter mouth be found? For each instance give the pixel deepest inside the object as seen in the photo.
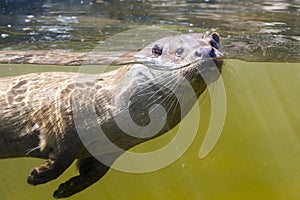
(198, 62)
(206, 65)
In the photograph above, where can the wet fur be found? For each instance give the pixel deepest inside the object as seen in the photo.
(36, 116)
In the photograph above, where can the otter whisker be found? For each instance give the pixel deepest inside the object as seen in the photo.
(162, 87)
(168, 93)
(176, 98)
(155, 80)
(177, 101)
(203, 97)
(170, 88)
(31, 150)
(228, 68)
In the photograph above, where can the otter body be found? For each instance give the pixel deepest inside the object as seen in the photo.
(42, 114)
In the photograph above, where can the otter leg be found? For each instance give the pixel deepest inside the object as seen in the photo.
(57, 163)
(90, 169)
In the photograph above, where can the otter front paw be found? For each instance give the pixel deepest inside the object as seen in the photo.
(32, 179)
(47, 172)
(42, 174)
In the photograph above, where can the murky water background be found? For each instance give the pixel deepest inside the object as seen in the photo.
(257, 156)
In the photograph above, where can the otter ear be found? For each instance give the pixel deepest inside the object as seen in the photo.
(215, 37)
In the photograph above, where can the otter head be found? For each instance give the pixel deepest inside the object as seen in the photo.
(186, 53)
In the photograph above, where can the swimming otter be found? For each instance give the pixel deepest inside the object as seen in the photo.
(42, 113)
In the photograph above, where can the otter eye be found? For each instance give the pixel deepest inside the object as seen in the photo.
(157, 50)
(179, 51)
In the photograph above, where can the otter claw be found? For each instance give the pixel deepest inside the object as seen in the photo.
(32, 178)
(34, 172)
(65, 189)
(58, 194)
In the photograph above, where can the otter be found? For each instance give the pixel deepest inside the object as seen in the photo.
(41, 114)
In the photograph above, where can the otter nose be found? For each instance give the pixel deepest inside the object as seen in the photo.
(206, 53)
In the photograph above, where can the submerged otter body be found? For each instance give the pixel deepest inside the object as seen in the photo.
(47, 115)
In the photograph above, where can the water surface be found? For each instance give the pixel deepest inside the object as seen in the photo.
(254, 30)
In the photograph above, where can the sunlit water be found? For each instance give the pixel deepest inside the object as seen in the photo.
(254, 30)
(256, 157)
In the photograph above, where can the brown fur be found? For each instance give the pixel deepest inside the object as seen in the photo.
(37, 110)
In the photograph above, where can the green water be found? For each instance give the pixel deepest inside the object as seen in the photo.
(256, 157)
